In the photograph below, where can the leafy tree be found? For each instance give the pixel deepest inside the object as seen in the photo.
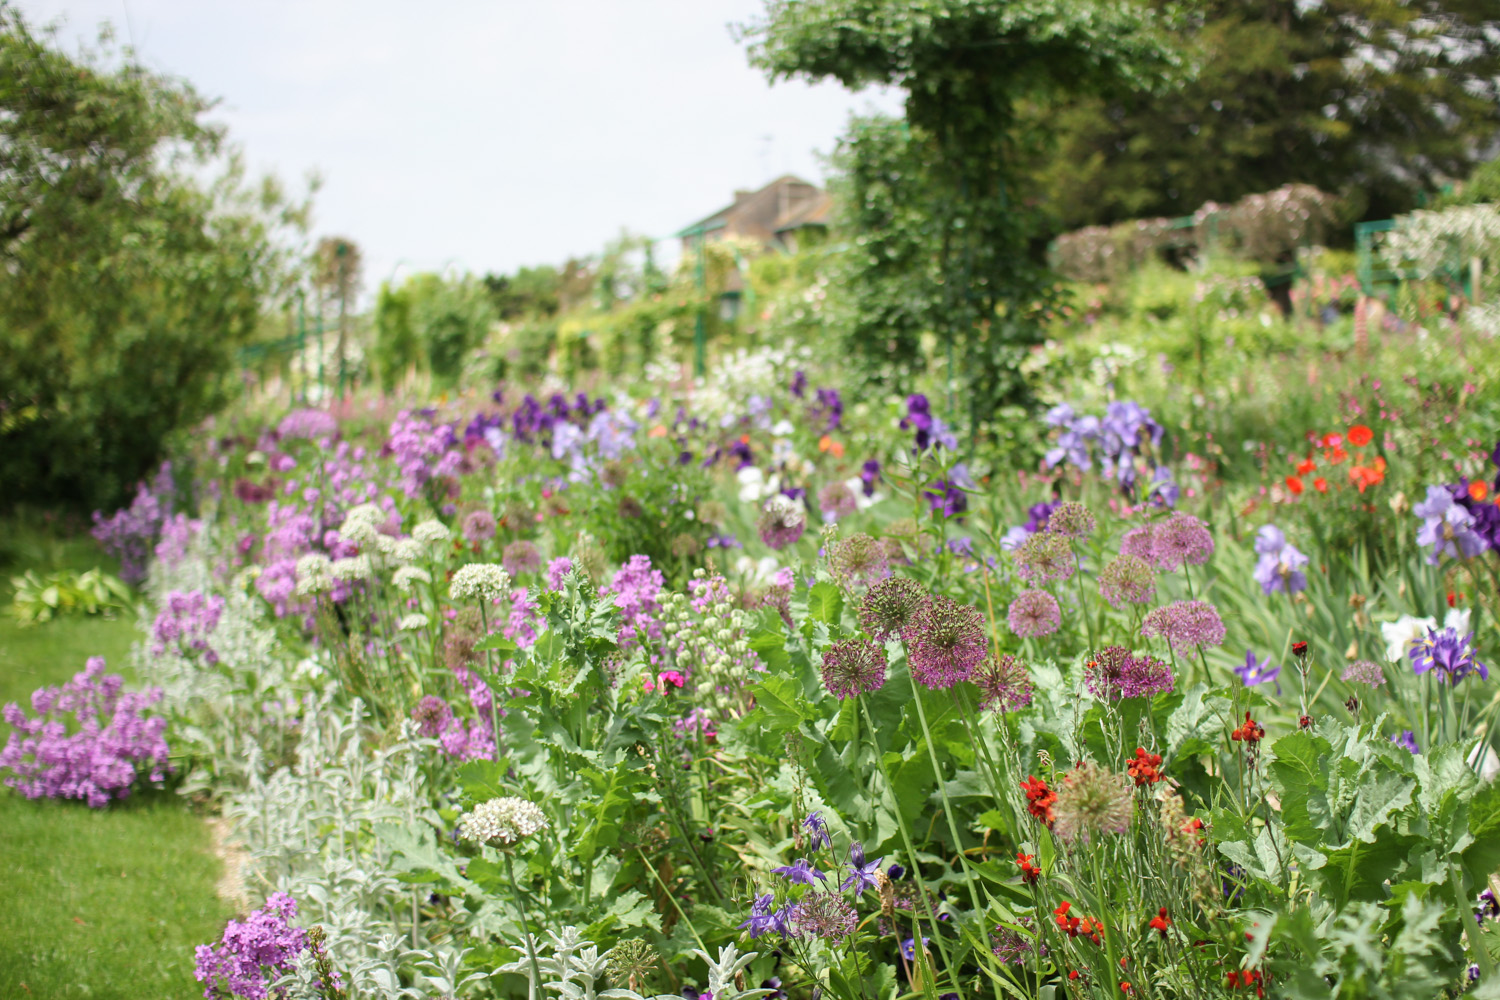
(1376, 101)
(395, 339)
(940, 238)
(530, 292)
(336, 276)
(125, 286)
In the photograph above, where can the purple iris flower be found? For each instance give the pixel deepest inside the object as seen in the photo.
(1447, 527)
(799, 872)
(963, 546)
(1449, 653)
(799, 383)
(831, 404)
(1164, 490)
(868, 474)
(817, 830)
(1408, 740)
(909, 948)
(865, 874)
(1280, 564)
(1258, 672)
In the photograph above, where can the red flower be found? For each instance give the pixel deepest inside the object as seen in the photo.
(1360, 435)
(1295, 485)
(1193, 825)
(1299, 649)
(1478, 491)
(1251, 732)
(1072, 973)
(1068, 925)
(1143, 767)
(1161, 921)
(1039, 799)
(1029, 872)
(1320, 484)
(1305, 466)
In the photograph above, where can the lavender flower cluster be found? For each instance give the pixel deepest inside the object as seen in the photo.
(253, 953)
(130, 533)
(114, 742)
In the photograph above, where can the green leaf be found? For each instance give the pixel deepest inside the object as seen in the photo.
(483, 780)
(1300, 775)
(497, 642)
(825, 603)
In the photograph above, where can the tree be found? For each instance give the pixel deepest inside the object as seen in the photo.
(337, 261)
(126, 286)
(1377, 101)
(940, 238)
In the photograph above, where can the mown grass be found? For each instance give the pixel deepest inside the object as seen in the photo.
(93, 903)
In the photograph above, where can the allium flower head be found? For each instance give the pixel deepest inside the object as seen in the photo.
(351, 568)
(521, 557)
(433, 533)
(1137, 542)
(1003, 683)
(414, 622)
(1364, 672)
(891, 608)
(782, 521)
(858, 562)
(479, 526)
(1072, 520)
(362, 524)
(1279, 567)
(408, 577)
(432, 716)
(949, 642)
(1044, 557)
(854, 667)
(1180, 540)
(1185, 625)
(1034, 613)
(314, 574)
(502, 822)
(825, 915)
(1127, 580)
(1115, 672)
(1090, 802)
(484, 582)
(837, 500)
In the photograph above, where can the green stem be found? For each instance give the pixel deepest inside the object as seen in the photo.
(536, 970)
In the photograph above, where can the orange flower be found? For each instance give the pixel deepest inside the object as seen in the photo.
(1295, 485)
(659, 431)
(1161, 921)
(1143, 767)
(826, 443)
(1335, 454)
(1332, 440)
(1029, 872)
(1251, 732)
(1360, 435)
(1320, 484)
(1305, 466)
(1478, 490)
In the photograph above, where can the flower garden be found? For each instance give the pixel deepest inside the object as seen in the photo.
(740, 688)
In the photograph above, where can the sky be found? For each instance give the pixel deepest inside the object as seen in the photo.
(482, 136)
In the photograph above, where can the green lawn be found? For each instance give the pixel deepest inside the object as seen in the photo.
(93, 903)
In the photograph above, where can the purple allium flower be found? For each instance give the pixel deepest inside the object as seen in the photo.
(114, 743)
(1364, 672)
(556, 570)
(853, 667)
(1003, 684)
(837, 500)
(1447, 527)
(799, 872)
(254, 954)
(891, 608)
(817, 830)
(1407, 739)
(1044, 557)
(479, 526)
(1137, 542)
(1184, 625)
(432, 716)
(1127, 580)
(521, 557)
(1073, 520)
(1180, 539)
(1034, 613)
(863, 874)
(949, 642)
(1257, 671)
(858, 562)
(782, 521)
(1114, 672)
(825, 915)
(1280, 564)
(1451, 654)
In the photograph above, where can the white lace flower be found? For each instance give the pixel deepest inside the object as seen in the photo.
(433, 533)
(502, 821)
(352, 568)
(407, 550)
(481, 581)
(361, 524)
(313, 576)
(409, 576)
(414, 622)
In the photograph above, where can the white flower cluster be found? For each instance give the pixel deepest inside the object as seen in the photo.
(502, 821)
(409, 576)
(785, 510)
(351, 569)
(414, 622)
(481, 581)
(362, 525)
(434, 533)
(314, 574)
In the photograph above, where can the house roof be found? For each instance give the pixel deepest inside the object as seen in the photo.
(785, 203)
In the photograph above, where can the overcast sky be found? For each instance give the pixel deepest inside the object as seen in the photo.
(487, 135)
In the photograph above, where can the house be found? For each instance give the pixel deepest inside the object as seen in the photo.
(772, 216)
